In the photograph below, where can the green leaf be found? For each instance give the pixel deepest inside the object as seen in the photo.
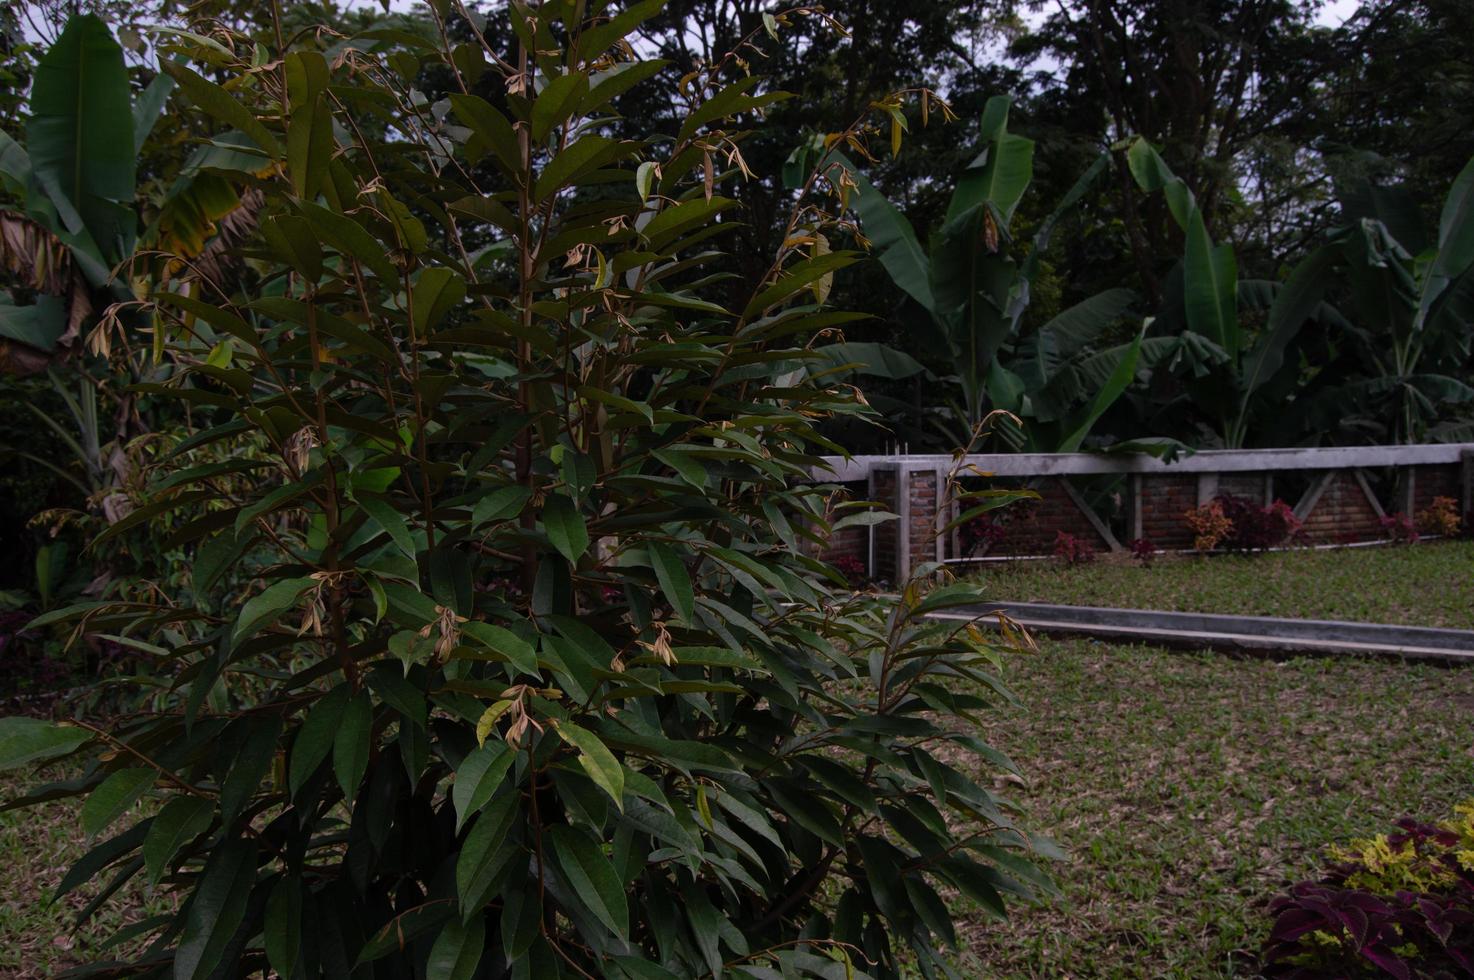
(282, 929)
(24, 740)
(438, 291)
(877, 360)
(388, 518)
(521, 920)
(80, 135)
(565, 527)
(222, 105)
(149, 107)
(1001, 174)
(517, 651)
(216, 909)
(295, 242)
(596, 760)
(39, 325)
(565, 168)
(484, 853)
(1121, 377)
(1210, 288)
(113, 796)
(315, 737)
(591, 877)
(500, 505)
(457, 950)
(556, 102)
(477, 778)
(892, 239)
(492, 129)
(351, 742)
(486, 724)
(309, 147)
(350, 238)
(269, 605)
(180, 821)
(675, 581)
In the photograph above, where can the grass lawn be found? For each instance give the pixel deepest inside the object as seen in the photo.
(37, 846)
(1430, 584)
(1190, 788)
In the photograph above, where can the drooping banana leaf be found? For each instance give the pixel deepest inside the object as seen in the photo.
(1119, 380)
(892, 239)
(80, 136)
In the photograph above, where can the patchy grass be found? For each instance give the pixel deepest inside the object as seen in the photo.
(38, 937)
(1429, 584)
(1190, 788)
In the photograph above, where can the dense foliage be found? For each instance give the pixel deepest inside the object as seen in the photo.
(497, 651)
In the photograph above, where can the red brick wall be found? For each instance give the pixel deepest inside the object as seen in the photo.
(923, 517)
(1342, 514)
(1165, 500)
(1435, 481)
(1037, 523)
(1250, 485)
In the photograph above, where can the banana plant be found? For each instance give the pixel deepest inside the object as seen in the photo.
(1412, 299)
(72, 228)
(1236, 375)
(74, 184)
(975, 294)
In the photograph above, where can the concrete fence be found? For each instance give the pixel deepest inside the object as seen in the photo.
(1340, 493)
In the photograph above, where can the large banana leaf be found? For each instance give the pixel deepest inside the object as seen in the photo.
(1120, 379)
(81, 136)
(1294, 303)
(1455, 244)
(1210, 290)
(1001, 172)
(892, 239)
(38, 325)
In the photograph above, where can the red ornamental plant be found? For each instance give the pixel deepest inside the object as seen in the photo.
(1143, 551)
(1398, 528)
(1256, 527)
(1072, 549)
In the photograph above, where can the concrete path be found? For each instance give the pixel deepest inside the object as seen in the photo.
(1259, 633)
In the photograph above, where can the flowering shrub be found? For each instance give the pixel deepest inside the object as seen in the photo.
(1440, 517)
(1398, 528)
(1255, 527)
(1208, 524)
(1399, 904)
(1143, 551)
(1072, 550)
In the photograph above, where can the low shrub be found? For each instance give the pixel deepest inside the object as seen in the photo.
(982, 534)
(1072, 549)
(1398, 528)
(680, 748)
(1399, 904)
(852, 568)
(1143, 551)
(1257, 527)
(1440, 518)
(1209, 525)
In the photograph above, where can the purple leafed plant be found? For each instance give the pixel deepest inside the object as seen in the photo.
(1396, 905)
